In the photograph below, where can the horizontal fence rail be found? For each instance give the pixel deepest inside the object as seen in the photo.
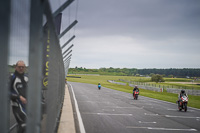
(153, 88)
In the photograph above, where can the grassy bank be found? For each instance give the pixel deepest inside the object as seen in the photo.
(194, 101)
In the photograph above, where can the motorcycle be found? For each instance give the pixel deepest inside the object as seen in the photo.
(99, 86)
(135, 94)
(182, 104)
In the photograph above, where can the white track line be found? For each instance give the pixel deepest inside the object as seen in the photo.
(178, 110)
(80, 121)
(189, 117)
(114, 114)
(128, 108)
(171, 129)
(166, 129)
(88, 113)
(151, 114)
(146, 122)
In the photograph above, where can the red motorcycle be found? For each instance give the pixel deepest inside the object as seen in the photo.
(135, 94)
(182, 104)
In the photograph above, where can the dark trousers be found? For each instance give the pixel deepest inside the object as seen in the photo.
(20, 118)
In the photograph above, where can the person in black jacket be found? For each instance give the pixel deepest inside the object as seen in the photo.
(18, 87)
(135, 89)
(182, 93)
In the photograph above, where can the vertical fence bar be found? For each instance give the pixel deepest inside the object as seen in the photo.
(35, 68)
(4, 39)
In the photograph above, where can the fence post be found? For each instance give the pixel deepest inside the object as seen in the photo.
(4, 39)
(35, 68)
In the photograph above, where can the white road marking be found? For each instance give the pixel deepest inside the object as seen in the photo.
(172, 109)
(188, 117)
(177, 109)
(171, 116)
(170, 129)
(166, 129)
(135, 127)
(128, 108)
(146, 122)
(80, 121)
(88, 113)
(146, 104)
(108, 109)
(114, 114)
(151, 114)
(94, 102)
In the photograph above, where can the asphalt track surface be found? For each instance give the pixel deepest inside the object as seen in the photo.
(111, 111)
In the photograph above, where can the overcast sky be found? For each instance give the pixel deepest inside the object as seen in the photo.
(133, 33)
(137, 34)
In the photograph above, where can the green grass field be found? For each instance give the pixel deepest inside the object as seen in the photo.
(194, 101)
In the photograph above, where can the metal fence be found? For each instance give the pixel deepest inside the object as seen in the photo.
(42, 101)
(154, 88)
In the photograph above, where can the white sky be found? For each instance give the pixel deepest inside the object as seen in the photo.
(133, 33)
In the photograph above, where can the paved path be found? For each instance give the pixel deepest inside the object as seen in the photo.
(67, 119)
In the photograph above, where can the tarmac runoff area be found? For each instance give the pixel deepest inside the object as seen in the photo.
(66, 124)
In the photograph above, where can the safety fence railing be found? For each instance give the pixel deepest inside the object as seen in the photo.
(47, 65)
(157, 88)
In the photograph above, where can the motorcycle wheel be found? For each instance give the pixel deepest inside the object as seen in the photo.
(185, 109)
(136, 97)
(179, 108)
(133, 96)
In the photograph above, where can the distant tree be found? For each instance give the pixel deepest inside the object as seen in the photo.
(157, 78)
(151, 74)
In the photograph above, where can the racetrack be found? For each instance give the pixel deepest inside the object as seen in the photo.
(111, 111)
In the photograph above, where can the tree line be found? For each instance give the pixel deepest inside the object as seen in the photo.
(171, 72)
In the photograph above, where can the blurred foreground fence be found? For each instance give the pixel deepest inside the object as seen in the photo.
(158, 89)
(46, 68)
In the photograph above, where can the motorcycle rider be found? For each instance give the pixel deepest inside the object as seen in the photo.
(99, 86)
(182, 93)
(18, 87)
(135, 89)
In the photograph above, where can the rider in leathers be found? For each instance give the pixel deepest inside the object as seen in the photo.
(182, 93)
(134, 89)
(18, 86)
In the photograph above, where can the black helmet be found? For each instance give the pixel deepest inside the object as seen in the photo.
(182, 91)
